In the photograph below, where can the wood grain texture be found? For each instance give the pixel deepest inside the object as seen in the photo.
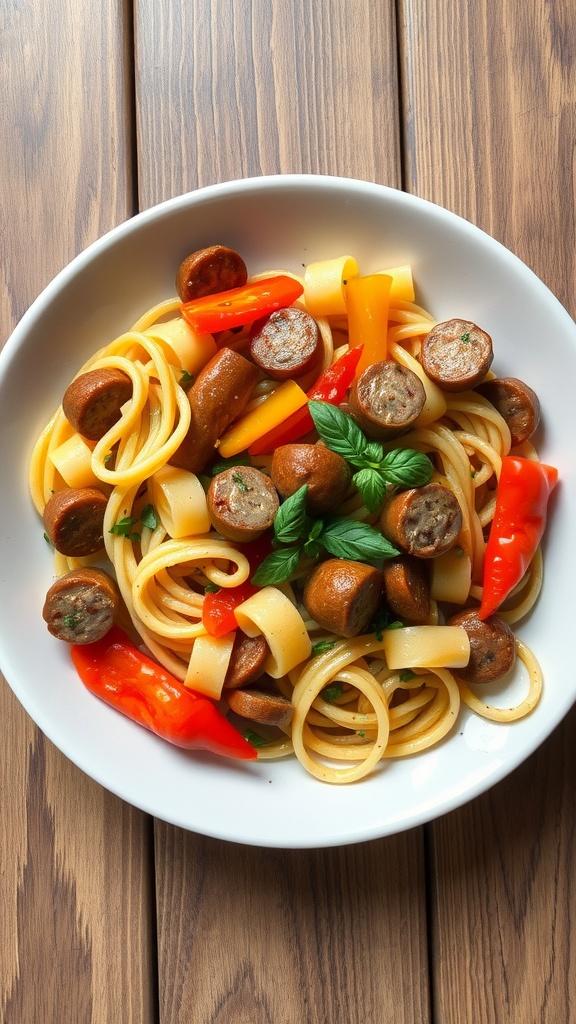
(490, 99)
(77, 912)
(241, 89)
(491, 91)
(340, 936)
(256, 936)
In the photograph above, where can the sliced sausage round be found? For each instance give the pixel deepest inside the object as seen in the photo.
(516, 402)
(81, 606)
(386, 399)
(259, 706)
(286, 344)
(247, 660)
(407, 588)
(217, 396)
(343, 596)
(208, 271)
(327, 475)
(74, 520)
(242, 503)
(456, 355)
(422, 521)
(93, 402)
(492, 647)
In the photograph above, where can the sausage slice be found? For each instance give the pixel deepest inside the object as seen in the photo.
(217, 396)
(517, 403)
(386, 399)
(92, 403)
(74, 520)
(81, 606)
(262, 707)
(247, 660)
(422, 521)
(456, 355)
(211, 270)
(343, 596)
(492, 647)
(407, 588)
(286, 344)
(242, 503)
(327, 475)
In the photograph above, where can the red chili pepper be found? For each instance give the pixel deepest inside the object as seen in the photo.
(331, 386)
(239, 306)
(218, 609)
(517, 528)
(116, 671)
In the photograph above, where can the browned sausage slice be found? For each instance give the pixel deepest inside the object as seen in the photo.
(343, 596)
(265, 708)
(492, 647)
(92, 403)
(406, 588)
(456, 355)
(422, 521)
(327, 475)
(74, 520)
(217, 396)
(386, 399)
(211, 270)
(247, 660)
(80, 607)
(517, 403)
(242, 503)
(286, 344)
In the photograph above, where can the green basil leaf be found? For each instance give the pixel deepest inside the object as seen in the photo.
(277, 567)
(312, 548)
(374, 452)
(338, 431)
(149, 518)
(372, 487)
(292, 522)
(405, 467)
(345, 538)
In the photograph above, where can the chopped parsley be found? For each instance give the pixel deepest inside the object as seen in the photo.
(321, 646)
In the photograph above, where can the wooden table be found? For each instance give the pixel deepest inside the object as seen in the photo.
(106, 915)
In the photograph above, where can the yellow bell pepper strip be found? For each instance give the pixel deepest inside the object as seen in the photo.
(524, 488)
(287, 398)
(331, 386)
(402, 287)
(367, 304)
(238, 306)
(121, 675)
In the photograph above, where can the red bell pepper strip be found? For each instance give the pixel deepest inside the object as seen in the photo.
(331, 386)
(519, 520)
(219, 606)
(239, 306)
(116, 671)
(218, 609)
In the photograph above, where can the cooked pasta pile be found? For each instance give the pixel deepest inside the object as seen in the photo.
(352, 710)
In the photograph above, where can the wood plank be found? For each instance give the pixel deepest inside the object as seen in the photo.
(278, 86)
(76, 921)
(491, 136)
(237, 90)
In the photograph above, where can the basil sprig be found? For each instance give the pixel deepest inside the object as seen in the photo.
(307, 538)
(376, 472)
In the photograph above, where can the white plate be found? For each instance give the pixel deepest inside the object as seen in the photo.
(283, 221)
